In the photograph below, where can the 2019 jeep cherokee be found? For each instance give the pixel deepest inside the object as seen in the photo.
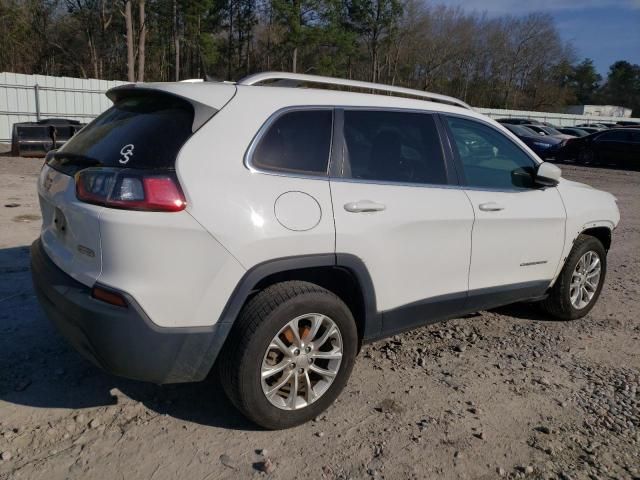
(276, 229)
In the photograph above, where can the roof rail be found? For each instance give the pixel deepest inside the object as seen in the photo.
(294, 79)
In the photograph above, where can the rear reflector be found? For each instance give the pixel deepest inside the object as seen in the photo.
(108, 296)
(130, 189)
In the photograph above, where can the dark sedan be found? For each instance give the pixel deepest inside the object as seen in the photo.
(545, 147)
(574, 131)
(518, 121)
(618, 146)
(591, 129)
(545, 131)
(592, 125)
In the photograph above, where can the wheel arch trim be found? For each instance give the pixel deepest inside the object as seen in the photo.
(252, 277)
(587, 229)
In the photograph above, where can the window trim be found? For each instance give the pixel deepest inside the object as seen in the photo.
(458, 162)
(336, 171)
(264, 128)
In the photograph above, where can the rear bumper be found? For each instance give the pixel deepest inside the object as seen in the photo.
(122, 341)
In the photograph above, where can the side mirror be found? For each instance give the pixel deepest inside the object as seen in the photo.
(548, 175)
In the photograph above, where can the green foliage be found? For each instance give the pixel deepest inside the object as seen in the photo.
(585, 81)
(507, 62)
(622, 86)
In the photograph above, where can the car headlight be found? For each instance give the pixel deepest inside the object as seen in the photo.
(542, 144)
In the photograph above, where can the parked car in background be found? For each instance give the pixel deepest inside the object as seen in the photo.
(617, 146)
(592, 125)
(549, 131)
(591, 129)
(35, 139)
(573, 131)
(545, 146)
(519, 121)
(627, 123)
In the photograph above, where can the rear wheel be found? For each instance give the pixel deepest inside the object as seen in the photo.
(290, 354)
(578, 287)
(587, 157)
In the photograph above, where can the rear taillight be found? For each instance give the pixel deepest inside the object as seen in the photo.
(130, 189)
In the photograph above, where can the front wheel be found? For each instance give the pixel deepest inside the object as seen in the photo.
(289, 355)
(578, 287)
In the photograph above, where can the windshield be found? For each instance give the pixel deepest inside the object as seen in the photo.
(551, 131)
(519, 130)
(529, 131)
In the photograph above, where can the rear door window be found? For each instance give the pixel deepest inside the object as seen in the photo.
(391, 146)
(144, 131)
(298, 141)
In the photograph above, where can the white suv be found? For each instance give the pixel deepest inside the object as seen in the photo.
(276, 229)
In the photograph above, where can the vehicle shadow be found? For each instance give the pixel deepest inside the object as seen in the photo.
(524, 311)
(39, 369)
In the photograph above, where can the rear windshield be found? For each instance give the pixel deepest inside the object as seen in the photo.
(140, 131)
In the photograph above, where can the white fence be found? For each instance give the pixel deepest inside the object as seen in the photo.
(26, 98)
(559, 119)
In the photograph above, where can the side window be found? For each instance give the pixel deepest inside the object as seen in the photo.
(615, 136)
(298, 142)
(393, 147)
(489, 158)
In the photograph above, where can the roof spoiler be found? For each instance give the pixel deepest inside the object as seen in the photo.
(201, 112)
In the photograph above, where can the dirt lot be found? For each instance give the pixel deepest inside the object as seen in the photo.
(502, 393)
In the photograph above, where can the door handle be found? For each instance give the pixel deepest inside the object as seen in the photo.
(364, 206)
(490, 207)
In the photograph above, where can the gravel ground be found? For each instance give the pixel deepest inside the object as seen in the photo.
(506, 393)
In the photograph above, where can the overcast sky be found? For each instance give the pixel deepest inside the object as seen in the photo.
(604, 30)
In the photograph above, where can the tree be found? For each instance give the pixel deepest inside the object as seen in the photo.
(131, 74)
(504, 61)
(622, 86)
(374, 21)
(585, 81)
(291, 15)
(141, 39)
(176, 40)
(139, 46)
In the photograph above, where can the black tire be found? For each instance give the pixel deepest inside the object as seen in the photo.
(558, 303)
(258, 323)
(587, 157)
(15, 147)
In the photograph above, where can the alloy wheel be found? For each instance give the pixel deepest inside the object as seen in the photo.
(301, 361)
(585, 280)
